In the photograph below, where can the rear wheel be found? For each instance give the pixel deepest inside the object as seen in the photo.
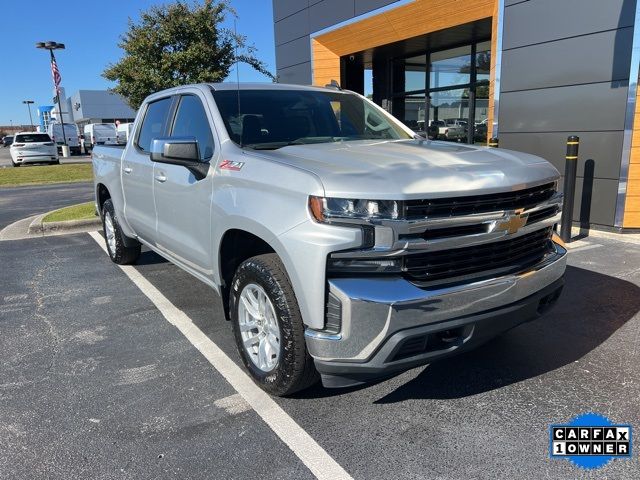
(268, 327)
(115, 239)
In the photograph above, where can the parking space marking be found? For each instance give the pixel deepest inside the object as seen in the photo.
(314, 457)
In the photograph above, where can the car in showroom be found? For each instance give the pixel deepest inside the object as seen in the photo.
(33, 147)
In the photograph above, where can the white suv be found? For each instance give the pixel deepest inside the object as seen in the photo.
(33, 147)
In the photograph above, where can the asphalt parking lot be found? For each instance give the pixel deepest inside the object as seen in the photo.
(5, 158)
(96, 383)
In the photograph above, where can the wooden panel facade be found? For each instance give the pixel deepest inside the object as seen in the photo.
(407, 21)
(326, 64)
(492, 76)
(632, 203)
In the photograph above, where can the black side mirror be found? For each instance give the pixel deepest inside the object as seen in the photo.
(181, 151)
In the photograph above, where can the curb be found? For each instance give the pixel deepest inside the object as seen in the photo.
(37, 227)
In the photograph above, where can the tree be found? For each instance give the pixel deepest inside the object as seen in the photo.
(177, 44)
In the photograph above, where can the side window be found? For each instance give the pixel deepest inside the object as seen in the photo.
(153, 123)
(191, 121)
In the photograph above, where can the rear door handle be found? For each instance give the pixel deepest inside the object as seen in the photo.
(128, 170)
(161, 178)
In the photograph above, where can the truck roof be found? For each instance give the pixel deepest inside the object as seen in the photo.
(235, 86)
(265, 86)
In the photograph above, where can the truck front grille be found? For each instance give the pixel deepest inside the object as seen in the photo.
(474, 204)
(507, 256)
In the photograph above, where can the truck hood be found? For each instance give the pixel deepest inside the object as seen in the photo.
(409, 169)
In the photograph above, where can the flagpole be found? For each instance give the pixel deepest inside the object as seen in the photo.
(64, 136)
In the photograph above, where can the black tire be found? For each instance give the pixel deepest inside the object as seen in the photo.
(295, 370)
(121, 255)
(15, 164)
(56, 162)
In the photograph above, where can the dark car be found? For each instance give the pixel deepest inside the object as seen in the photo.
(7, 141)
(480, 132)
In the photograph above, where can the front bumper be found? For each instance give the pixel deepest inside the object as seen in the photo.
(389, 325)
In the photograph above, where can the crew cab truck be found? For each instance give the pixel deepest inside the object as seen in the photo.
(342, 246)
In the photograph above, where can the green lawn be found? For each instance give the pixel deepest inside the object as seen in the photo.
(74, 212)
(42, 175)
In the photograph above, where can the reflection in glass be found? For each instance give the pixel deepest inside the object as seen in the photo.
(415, 73)
(483, 61)
(482, 113)
(450, 67)
(449, 114)
(414, 112)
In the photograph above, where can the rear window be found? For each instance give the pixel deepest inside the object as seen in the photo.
(68, 127)
(32, 138)
(105, 129)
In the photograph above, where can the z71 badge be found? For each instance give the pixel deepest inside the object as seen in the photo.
(229, 165)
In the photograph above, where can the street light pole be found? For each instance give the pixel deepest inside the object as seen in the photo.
(28, 103)
(51, 46)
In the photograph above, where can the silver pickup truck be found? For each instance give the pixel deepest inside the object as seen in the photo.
(342, 246)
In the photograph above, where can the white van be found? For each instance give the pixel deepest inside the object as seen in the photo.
(70, 132)
(99, 134)
(123, 132)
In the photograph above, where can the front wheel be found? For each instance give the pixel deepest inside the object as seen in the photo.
(268, 327)
(115, 239)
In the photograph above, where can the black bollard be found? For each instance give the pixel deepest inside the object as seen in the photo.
(570, 171)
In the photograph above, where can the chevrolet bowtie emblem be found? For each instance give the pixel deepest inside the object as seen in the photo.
(513, 223)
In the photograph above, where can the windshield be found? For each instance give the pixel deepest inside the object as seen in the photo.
(32, 138)
(271, 119)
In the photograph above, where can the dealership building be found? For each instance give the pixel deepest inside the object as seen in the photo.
(87, 106)
(529, 72)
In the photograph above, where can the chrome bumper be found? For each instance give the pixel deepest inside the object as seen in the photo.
(374, 309)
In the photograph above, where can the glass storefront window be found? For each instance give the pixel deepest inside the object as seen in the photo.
(456, 105)
(415, 73)
(483, 61)
(450, 67)
(413, 112)
(449, 114)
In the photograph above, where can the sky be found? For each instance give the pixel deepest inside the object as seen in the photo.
(91, 32)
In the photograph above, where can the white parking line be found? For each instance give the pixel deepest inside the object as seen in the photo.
(316, 459)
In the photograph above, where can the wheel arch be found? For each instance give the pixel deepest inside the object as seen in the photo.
(102, 195)
(236, 246)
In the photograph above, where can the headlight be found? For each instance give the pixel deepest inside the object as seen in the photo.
(328, 210)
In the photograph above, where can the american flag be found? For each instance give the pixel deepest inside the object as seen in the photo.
(55, 73)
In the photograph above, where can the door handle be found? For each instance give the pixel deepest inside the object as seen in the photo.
(161, 178)
(128, 170)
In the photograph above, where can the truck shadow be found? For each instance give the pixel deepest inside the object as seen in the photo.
(148, 257)
(591, 309)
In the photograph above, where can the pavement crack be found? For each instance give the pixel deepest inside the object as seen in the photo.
(39, 296)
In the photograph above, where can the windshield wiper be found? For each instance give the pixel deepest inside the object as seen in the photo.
(298, 141)
(266, 146)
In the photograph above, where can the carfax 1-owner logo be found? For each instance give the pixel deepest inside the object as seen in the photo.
(590, 440)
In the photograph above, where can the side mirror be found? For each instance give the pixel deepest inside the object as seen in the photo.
(181, 151)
